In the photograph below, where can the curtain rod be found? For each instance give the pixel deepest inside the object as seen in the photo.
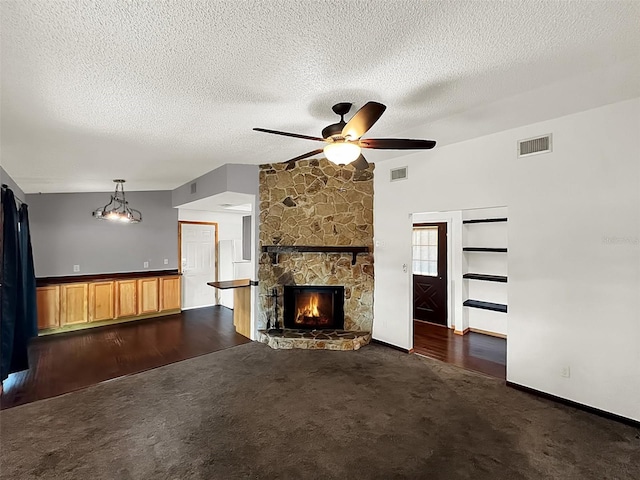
(6, 187)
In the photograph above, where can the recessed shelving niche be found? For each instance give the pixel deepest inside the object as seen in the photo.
(485, 266)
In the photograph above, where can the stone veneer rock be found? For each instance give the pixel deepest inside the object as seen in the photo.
(315, 339)
(315, 202)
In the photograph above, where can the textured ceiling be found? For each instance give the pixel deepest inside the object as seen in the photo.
(162, 92)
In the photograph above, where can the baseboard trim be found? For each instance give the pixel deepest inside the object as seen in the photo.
(390, 345)
(487, 332)
(580, 406)
(461, 332)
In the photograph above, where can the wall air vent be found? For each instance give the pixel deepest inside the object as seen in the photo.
(534, 146)
(399, 174)
(193, 188)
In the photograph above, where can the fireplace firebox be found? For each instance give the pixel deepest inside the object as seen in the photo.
(314, 307)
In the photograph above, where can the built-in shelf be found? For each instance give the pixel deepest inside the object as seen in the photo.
(496, 307)
(484, 249)
(485, 220)
(486, 278)
(275, 250)
(493, 233)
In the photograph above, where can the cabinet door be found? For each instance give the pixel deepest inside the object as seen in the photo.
(126, 298)
(169, 293)
(73, 303)
(101, 301)
(48, 300)
(148, 295)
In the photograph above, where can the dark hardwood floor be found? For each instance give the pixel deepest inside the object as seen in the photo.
(70, 361)
(473, 351)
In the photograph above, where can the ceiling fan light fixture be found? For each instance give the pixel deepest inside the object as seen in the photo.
(342, 152)
(345, 139)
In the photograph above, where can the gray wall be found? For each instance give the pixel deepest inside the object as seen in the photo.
(64, 234)
(230, 177)
(6, 178)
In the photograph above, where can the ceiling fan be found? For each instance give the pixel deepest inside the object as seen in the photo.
(343, 138)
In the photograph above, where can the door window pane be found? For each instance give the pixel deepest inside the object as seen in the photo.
(433, 236)
(433, 269)
(425, 251)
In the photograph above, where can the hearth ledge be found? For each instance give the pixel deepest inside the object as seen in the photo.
(315, 339)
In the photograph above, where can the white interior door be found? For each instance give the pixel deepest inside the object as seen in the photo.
(198, 257)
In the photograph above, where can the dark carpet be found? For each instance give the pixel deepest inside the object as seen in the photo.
(253, 412)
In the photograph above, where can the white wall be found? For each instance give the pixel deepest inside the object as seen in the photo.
(574, 248)
(229, 230)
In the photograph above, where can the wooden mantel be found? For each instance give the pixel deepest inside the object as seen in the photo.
(275, 250)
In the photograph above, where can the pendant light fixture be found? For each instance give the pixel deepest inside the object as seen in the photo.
(118, 210)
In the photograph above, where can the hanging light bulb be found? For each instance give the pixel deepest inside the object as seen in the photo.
(342, 152)
(118, 208)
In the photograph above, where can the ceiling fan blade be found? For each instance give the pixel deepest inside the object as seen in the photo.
(360, 163)
(363, 120)
(287, 134)
(304, 155)
(397, 144)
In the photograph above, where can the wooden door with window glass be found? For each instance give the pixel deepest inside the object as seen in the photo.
(430, 272)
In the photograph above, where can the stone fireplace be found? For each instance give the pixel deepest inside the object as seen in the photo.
(314, 307)
(316, 233)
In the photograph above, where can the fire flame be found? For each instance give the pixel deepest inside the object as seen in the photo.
(311, 309)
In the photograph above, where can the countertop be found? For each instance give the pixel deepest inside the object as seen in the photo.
(243, 282)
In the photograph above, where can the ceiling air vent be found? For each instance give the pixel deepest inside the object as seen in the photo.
(534, 146)
(193, 188)
(399, 174)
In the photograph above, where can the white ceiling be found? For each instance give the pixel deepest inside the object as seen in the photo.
(162, 92)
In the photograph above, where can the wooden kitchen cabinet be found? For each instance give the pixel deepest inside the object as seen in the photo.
(148, 295)
(170, 292)
(81, 301)
(48, 304)
(101, 301)
(126, 298)
(74, 303)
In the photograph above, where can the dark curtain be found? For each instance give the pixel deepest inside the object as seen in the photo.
(18, 320)
(28, 278)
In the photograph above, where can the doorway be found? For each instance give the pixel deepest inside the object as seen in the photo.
(429, 263)
(450, 246)
(198, 263)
